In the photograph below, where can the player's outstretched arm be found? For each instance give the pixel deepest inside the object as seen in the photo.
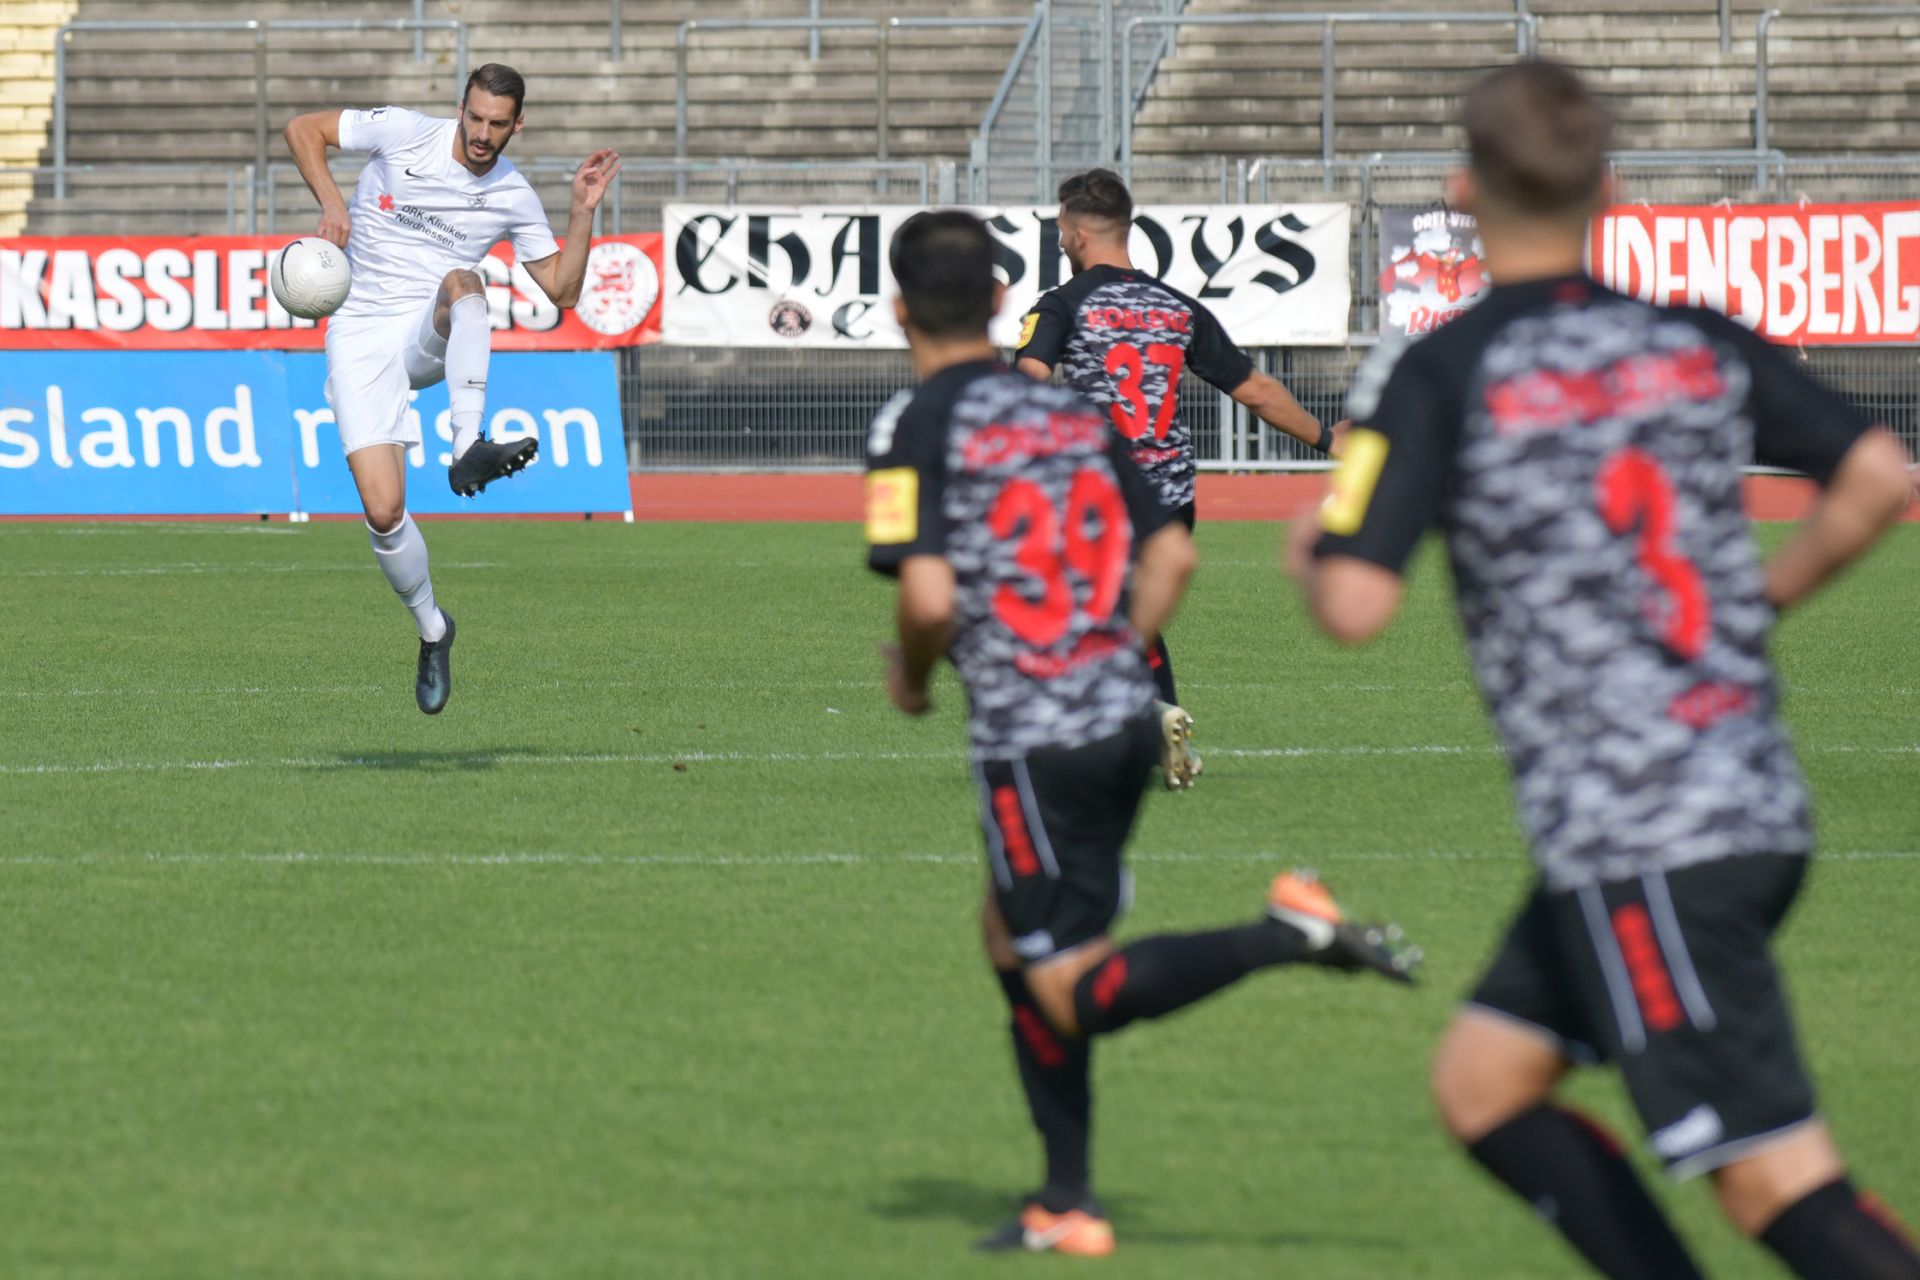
(1166, 564)
(308, 138)
(1868, 492)
(925, 621)
(1038, 370)
(562, 275)
(1273, 404)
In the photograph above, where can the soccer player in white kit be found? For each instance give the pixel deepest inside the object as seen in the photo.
(434, 197)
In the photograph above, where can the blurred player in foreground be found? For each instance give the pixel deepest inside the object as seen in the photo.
(1123, 338)
(1030, 551)
(435, 196)
(1582, 453)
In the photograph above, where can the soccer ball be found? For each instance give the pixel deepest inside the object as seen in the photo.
(310, 277)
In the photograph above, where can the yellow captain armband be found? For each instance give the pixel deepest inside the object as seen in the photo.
(1353, 482)
(893, 506)
(1028, 326)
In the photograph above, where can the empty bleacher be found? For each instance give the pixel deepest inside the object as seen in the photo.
(164, 124)
(1836, 84)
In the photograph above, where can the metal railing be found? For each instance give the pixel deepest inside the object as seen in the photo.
(1016, 66)
(882, 28)
(1761, 125)
(261, 30)
(1528, 39)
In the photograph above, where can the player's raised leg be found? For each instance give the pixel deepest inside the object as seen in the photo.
(464, 342)
(379, 471)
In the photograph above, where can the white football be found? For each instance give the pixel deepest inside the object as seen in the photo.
(310, 277)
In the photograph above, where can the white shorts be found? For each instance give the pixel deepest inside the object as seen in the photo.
(372, 363)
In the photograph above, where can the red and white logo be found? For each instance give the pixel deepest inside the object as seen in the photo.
(621, 287)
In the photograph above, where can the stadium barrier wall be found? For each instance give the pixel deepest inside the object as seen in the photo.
(690, 408)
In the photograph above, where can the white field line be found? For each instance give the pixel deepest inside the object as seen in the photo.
(718, 860)
(513, 686)
(314, 690)
(538, 759)
(194, 568)
(750, 684)
(144, 528)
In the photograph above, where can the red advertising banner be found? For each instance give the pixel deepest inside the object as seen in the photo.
(110, 293)
(1813, 274)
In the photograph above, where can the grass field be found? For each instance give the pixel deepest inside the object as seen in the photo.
(654, 956)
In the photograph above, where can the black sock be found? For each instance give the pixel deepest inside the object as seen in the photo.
(1575, 1177)
(1838, 1234)
(1156, 976)
(1161, 664)
(1054, 1073)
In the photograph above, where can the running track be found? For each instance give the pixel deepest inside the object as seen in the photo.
(836, 497)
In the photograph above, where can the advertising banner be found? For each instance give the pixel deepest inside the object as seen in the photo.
(817, 277)
(1430, 268)
(244, 432)
(79, 293)
(1813, 274)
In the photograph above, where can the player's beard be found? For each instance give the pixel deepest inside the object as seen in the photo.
(466, 146)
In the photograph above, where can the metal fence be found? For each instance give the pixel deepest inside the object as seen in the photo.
(712, 409)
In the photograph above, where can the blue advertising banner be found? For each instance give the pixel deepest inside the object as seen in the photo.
(148, 433)
(245, 432)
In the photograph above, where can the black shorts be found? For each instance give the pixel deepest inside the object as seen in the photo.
(1185, 514)
(1055, 824)
(1668, 977)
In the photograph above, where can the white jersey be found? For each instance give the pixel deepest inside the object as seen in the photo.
(419, 213)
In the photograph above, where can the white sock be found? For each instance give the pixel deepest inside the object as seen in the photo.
(402, 554)
(469, 347)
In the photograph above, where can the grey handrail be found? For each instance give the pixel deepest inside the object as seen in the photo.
(684, 34)
(883, 29)
(1528, 39)
(261, 29)
(1761, 140)
(1008, 79)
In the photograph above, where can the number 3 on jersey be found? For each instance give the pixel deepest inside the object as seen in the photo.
(1635, 487)
(1065, 565)
(1129, 364)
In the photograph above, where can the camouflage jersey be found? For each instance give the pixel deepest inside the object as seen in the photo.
(1026, 493)
(1582, 453)
(1121, 338)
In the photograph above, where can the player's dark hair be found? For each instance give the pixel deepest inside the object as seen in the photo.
(1538, 139)
(500, 80)
(1099, 195)
(943, 262)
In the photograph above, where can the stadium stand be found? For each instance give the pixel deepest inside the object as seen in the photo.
(26, 99)
(1255, 91)
(753, 94)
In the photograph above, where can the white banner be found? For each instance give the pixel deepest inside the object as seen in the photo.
(1276, 275)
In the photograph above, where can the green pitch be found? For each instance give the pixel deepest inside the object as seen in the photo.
(655, 955)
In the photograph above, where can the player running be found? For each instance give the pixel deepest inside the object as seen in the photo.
(1123, 338)
(1031, 552)
(1582, 452)
(434, 197)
